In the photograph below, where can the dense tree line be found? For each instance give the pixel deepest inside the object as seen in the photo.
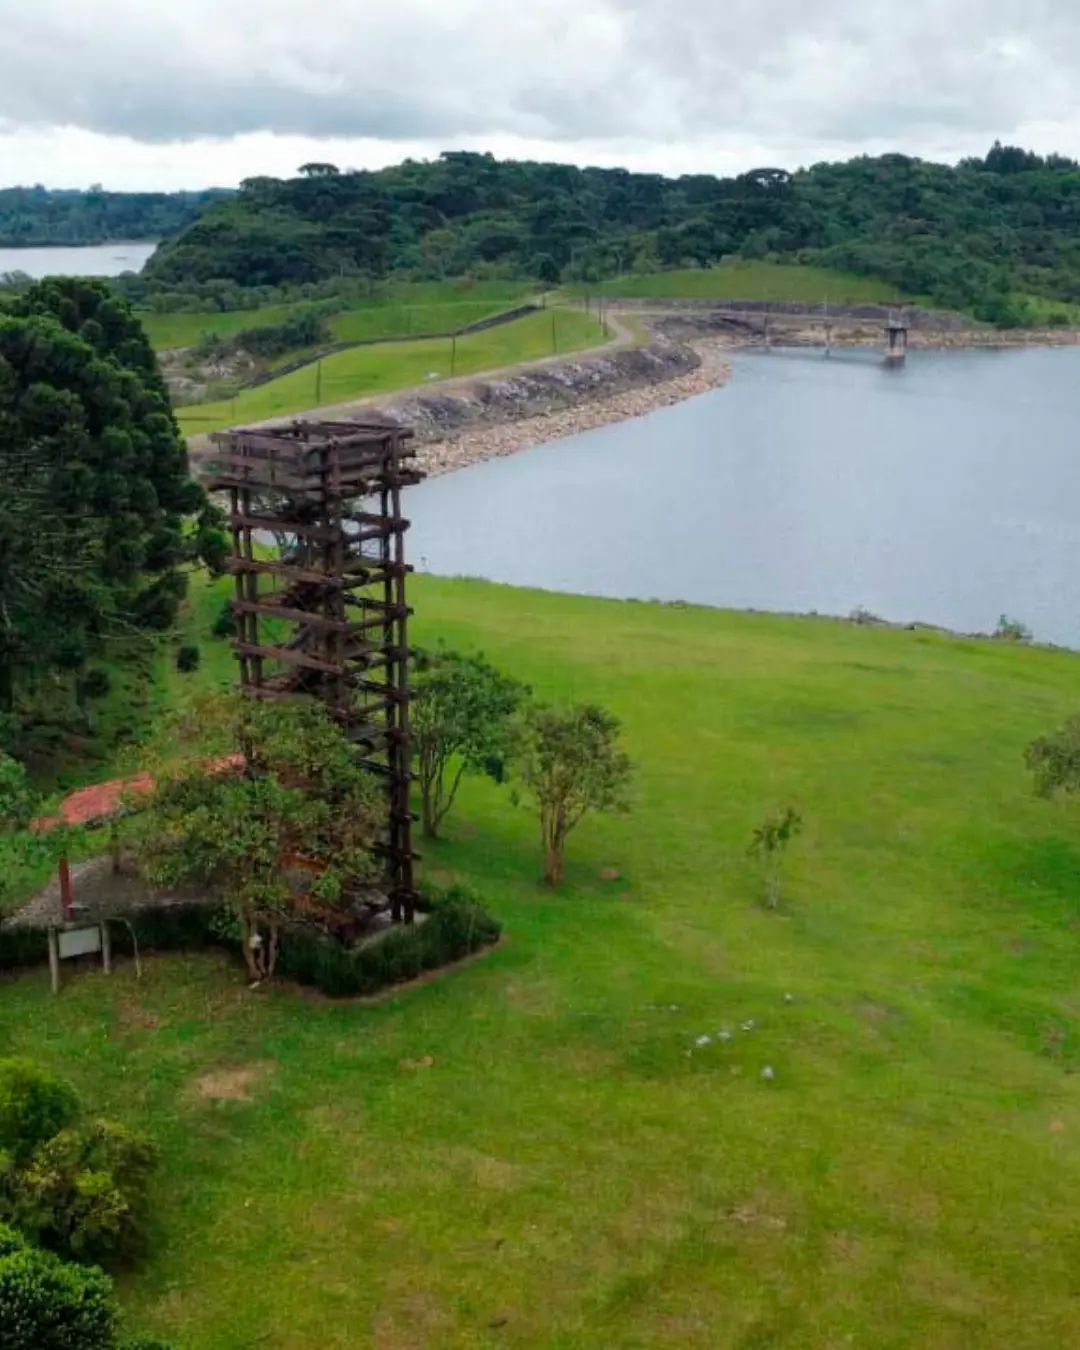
(37, 215)
(969, 235)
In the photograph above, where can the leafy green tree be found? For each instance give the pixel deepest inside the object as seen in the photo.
(283, 836)
(571, 762)
(98, 512)
(461, 723)
(17, 798)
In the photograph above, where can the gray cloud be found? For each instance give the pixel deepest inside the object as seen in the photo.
(607, 71)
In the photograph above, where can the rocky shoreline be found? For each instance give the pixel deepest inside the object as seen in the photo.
(477, 442)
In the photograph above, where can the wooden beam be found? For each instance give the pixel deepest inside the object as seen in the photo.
(305, 617)
(304, 576)
(289, 657)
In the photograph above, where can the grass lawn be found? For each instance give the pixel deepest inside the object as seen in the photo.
(168, 331)
(379, 369)
(749, 281)
(571, 1172)
(411, 307)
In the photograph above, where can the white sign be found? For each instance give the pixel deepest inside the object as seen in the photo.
(79, 942)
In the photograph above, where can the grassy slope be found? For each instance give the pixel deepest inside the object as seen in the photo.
(366, 371)
(750, 281)
(420, 307)
(566, 1174)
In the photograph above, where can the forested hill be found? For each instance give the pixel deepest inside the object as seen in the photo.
(966, 235)
(37, 215)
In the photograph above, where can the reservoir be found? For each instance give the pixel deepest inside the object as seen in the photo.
(944, 490)
(96, 260)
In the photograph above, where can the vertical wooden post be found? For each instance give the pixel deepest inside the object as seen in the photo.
(67, 897)
(54, 960)
(106, 949)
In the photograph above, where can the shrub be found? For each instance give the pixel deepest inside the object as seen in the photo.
(770, 842)
(46, 1304)
(145, 1343)
(20, 946)
(84, 1193)
(225, 623)
(34, 1106)
(456, 927)
(188, 658)
(305, 326)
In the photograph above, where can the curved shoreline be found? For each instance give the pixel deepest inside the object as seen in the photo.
(479, 442)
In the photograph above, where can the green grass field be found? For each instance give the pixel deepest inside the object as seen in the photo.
(169, 331)
(415, 307)
(748, 281)
(368, 371)
(572, 1171)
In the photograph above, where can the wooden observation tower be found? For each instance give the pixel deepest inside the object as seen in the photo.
(327, 616)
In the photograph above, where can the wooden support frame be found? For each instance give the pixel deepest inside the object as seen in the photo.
(329, 619)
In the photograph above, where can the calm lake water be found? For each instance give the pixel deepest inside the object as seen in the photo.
(946, 491)
(100, 260)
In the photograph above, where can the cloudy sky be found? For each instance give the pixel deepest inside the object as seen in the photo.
(186, 93)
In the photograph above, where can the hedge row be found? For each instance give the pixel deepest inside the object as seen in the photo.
(456, 925)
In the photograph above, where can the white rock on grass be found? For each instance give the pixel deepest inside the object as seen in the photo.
(703, 1040)
(768, 1073)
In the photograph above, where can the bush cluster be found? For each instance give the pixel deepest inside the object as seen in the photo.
(49, 1304)
(188, 658)
(455, 928)
(79, 1187)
